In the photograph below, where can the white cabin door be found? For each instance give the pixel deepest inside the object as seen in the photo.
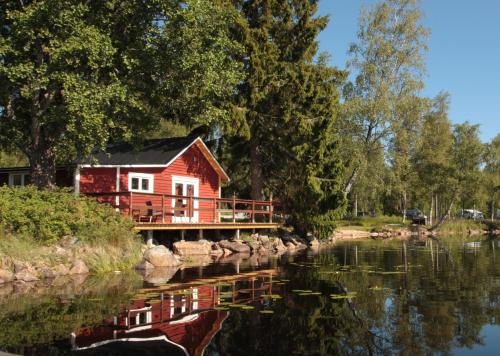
(186, 209)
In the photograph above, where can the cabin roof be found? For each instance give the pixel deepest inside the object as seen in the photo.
(152, 153)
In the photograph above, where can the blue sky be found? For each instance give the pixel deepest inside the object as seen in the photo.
(463, 56)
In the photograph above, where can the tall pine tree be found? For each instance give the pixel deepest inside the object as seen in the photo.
(288, 105)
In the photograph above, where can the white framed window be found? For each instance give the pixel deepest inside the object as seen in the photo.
(19, 179)
(140, 182)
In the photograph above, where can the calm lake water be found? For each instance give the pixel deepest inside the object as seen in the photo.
(363, 297)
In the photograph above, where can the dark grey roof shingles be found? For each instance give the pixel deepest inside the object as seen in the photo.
(152, 152)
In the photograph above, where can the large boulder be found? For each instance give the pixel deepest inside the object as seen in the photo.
(6, 276)
(298, 242)
(314, 243)
(290, 246)
(79, 267)
(262, 250)
(265, 241)
(191, 248)
(216, 250)
(144, 266)
(26, 275)
(160, 256)
(278, 245)
(60, 270)
(47, 272)
(20, 266)
(234, 246)
(254, 245)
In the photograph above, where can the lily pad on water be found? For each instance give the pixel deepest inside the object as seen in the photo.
(343, 296)
(309, 293)
(266, 311)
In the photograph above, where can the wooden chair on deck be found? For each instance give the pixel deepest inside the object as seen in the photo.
(149, 215)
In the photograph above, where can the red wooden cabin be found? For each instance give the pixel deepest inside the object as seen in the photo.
(156, 182)
(165, 182)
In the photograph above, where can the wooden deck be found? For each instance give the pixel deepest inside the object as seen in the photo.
(156, 212)
(206, 226)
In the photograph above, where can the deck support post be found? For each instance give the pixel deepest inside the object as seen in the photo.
(200, 234)
(271, 207)
(130, 205)
(215, 210)
(163, 208)
(183, 234)
(234, 207)
(149, 238)
(237, 234)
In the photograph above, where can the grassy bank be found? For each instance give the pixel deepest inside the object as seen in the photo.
(369, 223)
(463, 226)
(50, 228)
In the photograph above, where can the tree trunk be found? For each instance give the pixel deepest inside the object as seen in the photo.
(256, 176)
(355, 205)
(42, 160)
(403, 205)
(436, 205)
(430, 213)
(351, 181)
(492, 209)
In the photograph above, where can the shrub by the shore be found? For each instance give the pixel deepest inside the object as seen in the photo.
(33, 222)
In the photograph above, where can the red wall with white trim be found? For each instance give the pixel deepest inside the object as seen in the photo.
(192, 163)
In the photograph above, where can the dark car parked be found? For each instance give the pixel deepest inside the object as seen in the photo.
(416, 216)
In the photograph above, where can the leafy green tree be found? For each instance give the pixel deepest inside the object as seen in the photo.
(75, 74)
(12, 159)
(468, 153)
(492, 174)
(402, 148)
(388, 64)
(433, 160)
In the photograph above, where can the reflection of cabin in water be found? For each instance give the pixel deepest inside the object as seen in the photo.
(166, 184)
(182, 321)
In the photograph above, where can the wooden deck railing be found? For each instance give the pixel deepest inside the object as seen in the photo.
(170, 208)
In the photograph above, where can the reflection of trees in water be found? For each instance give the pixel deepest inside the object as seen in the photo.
(442, 302)
(43, 315)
